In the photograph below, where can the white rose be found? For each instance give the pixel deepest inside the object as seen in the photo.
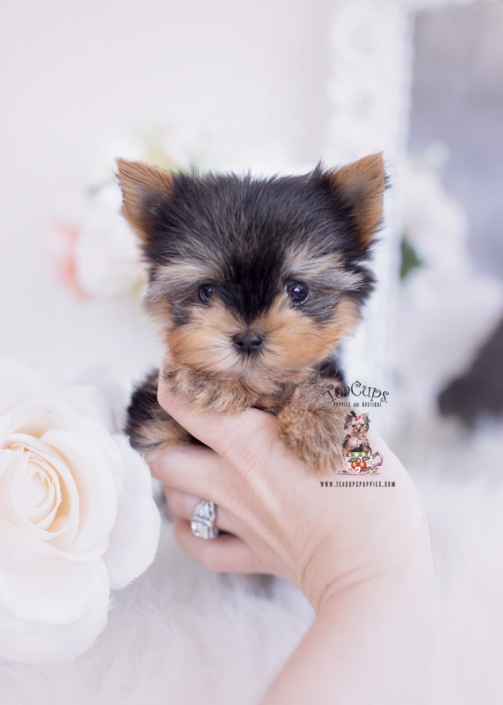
(77, 519)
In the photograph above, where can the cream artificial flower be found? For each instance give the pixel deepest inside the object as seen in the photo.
(107, 255)
(77, 518)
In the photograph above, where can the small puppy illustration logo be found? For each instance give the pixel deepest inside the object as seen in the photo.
(356, 450)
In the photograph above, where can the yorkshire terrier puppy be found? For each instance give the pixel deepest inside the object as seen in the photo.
(356, 427)
(254, 283)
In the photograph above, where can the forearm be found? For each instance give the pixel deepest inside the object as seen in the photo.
(370, 645)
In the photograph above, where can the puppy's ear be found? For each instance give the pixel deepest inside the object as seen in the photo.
(349, 419)
(142, 187)
(360, 188)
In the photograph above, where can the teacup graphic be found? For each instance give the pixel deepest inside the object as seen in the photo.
(362, 463)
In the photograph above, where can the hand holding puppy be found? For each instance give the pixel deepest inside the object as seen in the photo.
(281, 519)
(360, 554)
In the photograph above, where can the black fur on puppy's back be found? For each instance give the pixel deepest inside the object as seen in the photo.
(144, 409)
(147, 424)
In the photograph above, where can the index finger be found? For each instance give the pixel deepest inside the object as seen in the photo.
(192, 469)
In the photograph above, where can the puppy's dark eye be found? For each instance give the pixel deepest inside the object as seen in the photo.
(205, 292)
(297, 292)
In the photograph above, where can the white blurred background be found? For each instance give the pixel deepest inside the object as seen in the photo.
(277, 86)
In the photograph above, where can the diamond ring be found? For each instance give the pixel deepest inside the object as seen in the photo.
(203, 519)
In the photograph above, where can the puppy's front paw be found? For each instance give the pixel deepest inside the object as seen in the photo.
(312, 429)
(149, 427)
(206, 392)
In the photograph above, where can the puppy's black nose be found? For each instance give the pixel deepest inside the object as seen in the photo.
(250, 342)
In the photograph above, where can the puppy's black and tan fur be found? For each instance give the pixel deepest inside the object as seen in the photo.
(254, 282)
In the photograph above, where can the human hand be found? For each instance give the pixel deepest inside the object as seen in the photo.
(279, 517)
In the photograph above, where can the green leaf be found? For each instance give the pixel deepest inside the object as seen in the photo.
(410, 260)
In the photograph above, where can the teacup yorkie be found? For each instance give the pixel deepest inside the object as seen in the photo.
(356, 427)
(254, 282)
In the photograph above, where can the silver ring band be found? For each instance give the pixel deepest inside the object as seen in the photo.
(203, 519)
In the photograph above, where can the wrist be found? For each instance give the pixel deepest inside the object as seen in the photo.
(327, 577)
